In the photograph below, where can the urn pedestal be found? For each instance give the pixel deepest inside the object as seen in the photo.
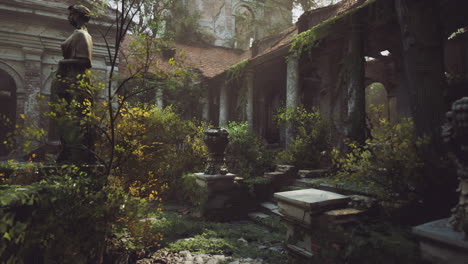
(223, 195)
(439, 243)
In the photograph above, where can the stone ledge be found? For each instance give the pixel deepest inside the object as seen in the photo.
(440, 231)
(312, 199)
(440, 244)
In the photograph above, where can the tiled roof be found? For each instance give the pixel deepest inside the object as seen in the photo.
(209, 61)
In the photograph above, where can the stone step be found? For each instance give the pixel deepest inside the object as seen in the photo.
(300, 252)
(284, 168)
(279, 179)
(318, 173)
(303, 184)
(343, 216)
(258, 215)
(270, 208)
(327, 184)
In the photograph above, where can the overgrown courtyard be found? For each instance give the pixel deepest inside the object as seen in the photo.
(233, 132)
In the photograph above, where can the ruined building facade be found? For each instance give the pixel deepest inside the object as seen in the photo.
(352, 45)
(237, 23)
(30, 39)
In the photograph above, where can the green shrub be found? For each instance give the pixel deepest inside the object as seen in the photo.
(389, 164)
(247, 155)
(382, 243)
(61, 220)
(68, 219)
(311, 143)
(155, 147)
(204, 243)
(197, 235)
(13, 172)
(192, 192)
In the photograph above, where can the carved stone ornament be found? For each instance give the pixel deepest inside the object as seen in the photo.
(455, 135)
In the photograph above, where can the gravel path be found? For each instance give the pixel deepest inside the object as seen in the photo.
(185, 257)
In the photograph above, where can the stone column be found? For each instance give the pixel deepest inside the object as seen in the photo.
(249, 109)
(356, 102)
(292, 92)
(159, 97)
(205, 109)
(32, 80)
(223, 105)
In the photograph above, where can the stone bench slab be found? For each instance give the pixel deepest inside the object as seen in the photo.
(303, 205)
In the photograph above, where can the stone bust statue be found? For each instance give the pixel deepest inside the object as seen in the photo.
(78, 48)
(72, 93)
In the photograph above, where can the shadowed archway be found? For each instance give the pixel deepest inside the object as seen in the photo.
(7, 109)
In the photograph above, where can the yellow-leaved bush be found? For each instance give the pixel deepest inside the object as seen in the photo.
(388, 164)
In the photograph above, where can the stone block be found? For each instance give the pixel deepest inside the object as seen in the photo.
(301, 254)
(311, 173)
(288, 169)
(224, 199)
(216, 183)
(279, 179)
(299, 236)
(440, 244)
(343, 216)
(303, 205)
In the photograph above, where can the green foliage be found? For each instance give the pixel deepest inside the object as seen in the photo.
(183, 25)
(155, 147)
(236, 71)
(247, 155)
(196, 235)
(61, 220)
(311, 143)
(203, 243)
(13, 172)
(235, 74)
(305, 41)
(389, 164)
(382, 243)
(192, 192)
(71, 218)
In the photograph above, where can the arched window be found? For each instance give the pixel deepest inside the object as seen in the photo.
(7, 109)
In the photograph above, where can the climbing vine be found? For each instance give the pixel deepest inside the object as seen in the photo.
(236, 71)
(235, 74)
(309, 39)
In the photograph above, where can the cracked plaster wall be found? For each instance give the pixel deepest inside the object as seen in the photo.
(217, 18)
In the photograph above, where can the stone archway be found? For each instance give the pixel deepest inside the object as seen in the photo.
(379, 104)
(8, 106)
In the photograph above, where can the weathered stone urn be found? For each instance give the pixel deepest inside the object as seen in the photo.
(222, 193)
(216, 139)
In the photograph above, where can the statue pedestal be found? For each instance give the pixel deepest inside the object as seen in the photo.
(222, 195)
(440, 244)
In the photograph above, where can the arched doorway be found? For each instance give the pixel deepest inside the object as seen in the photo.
(377, 104)
(7, 109)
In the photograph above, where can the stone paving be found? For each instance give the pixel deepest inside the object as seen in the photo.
(185, 257)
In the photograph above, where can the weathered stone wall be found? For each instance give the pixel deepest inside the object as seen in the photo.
(30, 39)
(218, 18)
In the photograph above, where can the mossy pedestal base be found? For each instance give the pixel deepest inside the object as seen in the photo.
(440, 244)
(223, 196)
